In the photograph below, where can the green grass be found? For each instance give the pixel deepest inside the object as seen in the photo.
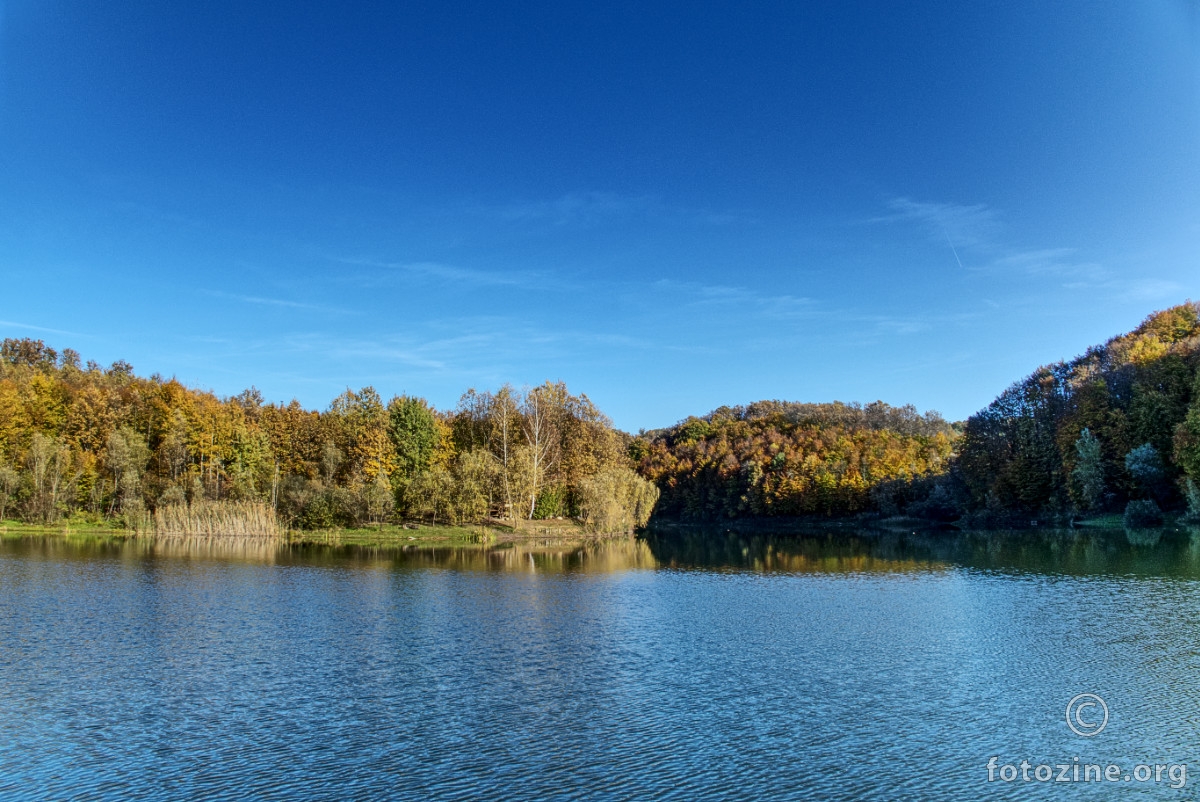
(394, 534)
(66, 528)
(387, 535)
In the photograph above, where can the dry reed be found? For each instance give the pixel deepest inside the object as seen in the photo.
(225, 519)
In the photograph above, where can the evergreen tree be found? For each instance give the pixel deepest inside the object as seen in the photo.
(1089, 470)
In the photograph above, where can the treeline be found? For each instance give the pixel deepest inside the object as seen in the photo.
(777, 458)
(83, 440)
(1116, 429)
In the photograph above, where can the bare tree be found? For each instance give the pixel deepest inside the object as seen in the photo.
(541, 410)
(505, 425)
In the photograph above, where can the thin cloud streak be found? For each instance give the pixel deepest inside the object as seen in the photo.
(963, 226)
(976, 231)
(452, 273)
(13, 324)
(280, 302)
(750, 301)
(589, 208)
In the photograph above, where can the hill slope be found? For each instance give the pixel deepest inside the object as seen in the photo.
(781, 458)
(1138, 398)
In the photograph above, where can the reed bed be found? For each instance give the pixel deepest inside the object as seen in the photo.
(225, 519)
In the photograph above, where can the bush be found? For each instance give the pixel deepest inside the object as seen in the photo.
(1146, 469)
(551, 503)
(1142, 514)
(616, 500)
(316, 514)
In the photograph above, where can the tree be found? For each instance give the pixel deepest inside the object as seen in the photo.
(1187, 438)
(475, 483)
(1089, 470)
(331, 460)
(48, 460)
(431, 493)
(504, 417)
(126, 457)
(617, 500)
(413, 429)
(362, 424)
(1191, 493)
(542, 410)
(1146, 468)
(378, 497)
(9, 480)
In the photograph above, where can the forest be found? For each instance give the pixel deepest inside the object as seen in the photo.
(775, 458)
(1116, 430)
(86, 442)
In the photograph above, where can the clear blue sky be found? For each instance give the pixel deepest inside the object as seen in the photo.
(668, 206)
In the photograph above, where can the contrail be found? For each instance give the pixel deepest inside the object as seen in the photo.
(952, 249)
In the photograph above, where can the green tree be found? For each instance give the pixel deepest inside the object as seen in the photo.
(617, 500)
(1187, 439)
(378, 497)
(1191, 493)
(1089, 470)
(9, 480)
(1146, 468)
(412, 427)
(126, 457)
(362, 422)
(431, 493)
(48, 461)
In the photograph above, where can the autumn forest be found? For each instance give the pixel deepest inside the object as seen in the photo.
(1116, 430)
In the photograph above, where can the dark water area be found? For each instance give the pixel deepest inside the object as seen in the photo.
(681, 665)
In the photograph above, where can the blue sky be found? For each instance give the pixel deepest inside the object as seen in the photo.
(668, 206)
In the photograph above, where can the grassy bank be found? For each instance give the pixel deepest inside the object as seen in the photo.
(70, 528)
(390, 534)
(490, 532)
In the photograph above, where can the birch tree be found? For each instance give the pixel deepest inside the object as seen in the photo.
(541, 413)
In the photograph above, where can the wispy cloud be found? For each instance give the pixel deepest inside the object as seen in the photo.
(1053, 262)
(980, 245)
(962, 226)
(14, 325)
(742, 299)
(452, 273)
(588, 208)
(1142, 289)
(279, 302)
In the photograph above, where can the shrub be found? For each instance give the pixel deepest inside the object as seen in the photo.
(616, 500)
(1142, 514)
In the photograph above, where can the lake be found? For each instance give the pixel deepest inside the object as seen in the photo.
(685, 665)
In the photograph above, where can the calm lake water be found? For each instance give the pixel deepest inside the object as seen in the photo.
(688, 667)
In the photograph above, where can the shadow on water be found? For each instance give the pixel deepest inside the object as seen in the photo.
(1141, 552)
(1132, 552)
